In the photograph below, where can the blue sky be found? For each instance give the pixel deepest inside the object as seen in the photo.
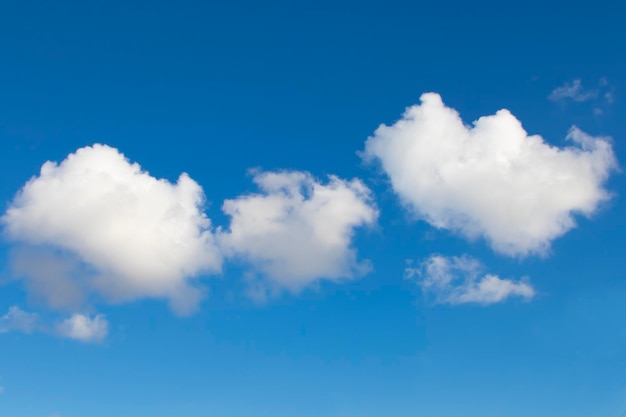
(312, 263)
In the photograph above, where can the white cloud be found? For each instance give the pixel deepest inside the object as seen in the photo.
(18, 320)
(298, 230)
(491, 179)
(460, 280)
(573, 91)
(84, 328)
(79, 326)
(140, 236)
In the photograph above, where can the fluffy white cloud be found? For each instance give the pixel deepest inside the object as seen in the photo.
(491, 179)
(138, 235)
(298, 230)
(84, 328)
(460, 280)
(18, 320)
(573, 91)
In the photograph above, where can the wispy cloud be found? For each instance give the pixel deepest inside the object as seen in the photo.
(461, 280)
(79, 327)
(18, 320)
(573, 91)
(600, 97)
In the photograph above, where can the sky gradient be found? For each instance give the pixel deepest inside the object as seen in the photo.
(312, 209)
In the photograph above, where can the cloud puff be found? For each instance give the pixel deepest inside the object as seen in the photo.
(460, 280)
(573, 91)
(78, 327)
(491, 179)
(84, 328)
(139, 236)
(299, 230)
(18, 320)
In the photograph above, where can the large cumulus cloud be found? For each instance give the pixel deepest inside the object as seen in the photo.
(134, 235)
(491, 179)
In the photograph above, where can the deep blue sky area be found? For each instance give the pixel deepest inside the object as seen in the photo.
(215, 89)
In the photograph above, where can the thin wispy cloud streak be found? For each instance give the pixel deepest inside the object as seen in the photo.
(573, 91)
(82, 327)
(600, 97)
(17, 320)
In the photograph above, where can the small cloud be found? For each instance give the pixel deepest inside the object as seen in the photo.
(601, 96)
(572, 91)
(461, 280)
(297, 230)
(18, 320)
(78, 327)
(84, 328)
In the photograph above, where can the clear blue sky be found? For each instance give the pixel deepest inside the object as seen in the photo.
(215, 89)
